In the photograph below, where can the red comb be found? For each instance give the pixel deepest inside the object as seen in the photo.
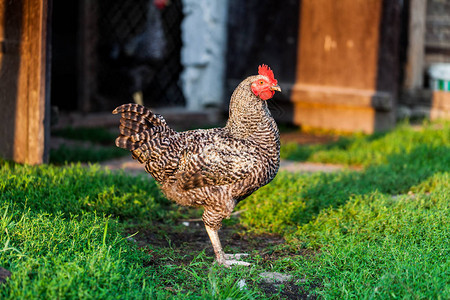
(266, 71)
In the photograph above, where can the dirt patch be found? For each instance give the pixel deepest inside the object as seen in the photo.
(4, 274)
(288, 290)
(190, 240)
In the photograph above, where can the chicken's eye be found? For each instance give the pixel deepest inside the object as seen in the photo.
(261, 82)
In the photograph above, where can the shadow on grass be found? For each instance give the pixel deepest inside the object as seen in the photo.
(73, 189)
(292, 200)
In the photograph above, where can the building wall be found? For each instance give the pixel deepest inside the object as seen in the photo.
(203, 53)
(437, 34)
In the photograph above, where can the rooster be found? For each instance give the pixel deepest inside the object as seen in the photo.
(214, 168)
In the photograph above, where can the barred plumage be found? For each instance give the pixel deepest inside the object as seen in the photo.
(214, 168)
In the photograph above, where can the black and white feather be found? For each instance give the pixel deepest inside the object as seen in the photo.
(214, 168)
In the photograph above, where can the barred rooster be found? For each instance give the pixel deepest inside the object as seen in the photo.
(214, 168)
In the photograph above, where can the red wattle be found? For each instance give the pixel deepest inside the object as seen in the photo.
(266, 94)
(255, 90)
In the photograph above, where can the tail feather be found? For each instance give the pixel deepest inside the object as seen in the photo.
(134, 126)
(145, 135)
(126, 143)
(126, 131)
(132, 107)
(135, 117)
(140, 114)
(137, 125)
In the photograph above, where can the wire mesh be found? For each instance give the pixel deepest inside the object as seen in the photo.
(139, 52)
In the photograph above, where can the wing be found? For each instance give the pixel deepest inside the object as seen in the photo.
(220, 161)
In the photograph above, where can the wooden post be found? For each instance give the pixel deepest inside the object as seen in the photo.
(347, 68)
(416, 45)
(23, 63)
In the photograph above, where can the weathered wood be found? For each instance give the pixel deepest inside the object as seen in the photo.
(441, 105)
(347, 68)
(23, 80)
(414, 69)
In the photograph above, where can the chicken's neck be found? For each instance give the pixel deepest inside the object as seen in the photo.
(247, 113)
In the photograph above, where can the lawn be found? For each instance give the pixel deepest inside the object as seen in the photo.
(381, 232)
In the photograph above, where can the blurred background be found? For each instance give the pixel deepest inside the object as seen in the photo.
(343, 66)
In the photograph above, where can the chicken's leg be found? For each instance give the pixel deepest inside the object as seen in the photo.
(222, 258)
(214, 237)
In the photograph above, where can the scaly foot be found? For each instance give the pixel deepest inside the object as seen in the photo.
(235, 259)
(229, 260)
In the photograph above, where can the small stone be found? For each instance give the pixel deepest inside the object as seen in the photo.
(420, 112)
(242, 285)
(130, 239)
(4, 274)
(275, 277)
(403, 112)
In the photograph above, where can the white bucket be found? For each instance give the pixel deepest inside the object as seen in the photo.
(439, 77)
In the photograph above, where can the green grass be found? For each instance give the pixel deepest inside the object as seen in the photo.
(376, 246)
(52, 256)
(366, 150)
(63, 236)
(379, 233)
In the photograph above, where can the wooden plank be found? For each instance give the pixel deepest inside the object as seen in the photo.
(346, 65)
(24, 119)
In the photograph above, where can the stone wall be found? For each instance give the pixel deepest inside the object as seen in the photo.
(203, 53)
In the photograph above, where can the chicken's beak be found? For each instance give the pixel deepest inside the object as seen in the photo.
(275, 88)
